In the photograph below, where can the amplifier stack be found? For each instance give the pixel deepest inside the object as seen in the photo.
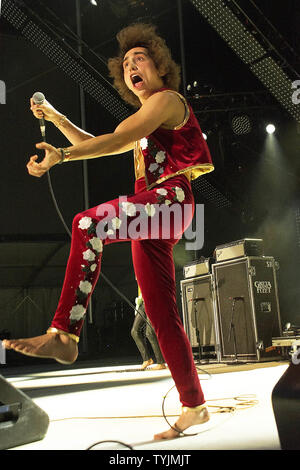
(230, 304)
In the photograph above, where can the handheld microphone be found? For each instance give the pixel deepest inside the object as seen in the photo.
(39, 98)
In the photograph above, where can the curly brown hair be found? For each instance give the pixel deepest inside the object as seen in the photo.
(143, 35)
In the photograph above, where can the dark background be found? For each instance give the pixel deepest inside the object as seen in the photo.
(254, 191)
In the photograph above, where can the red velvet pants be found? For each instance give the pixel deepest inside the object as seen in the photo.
(137, 218)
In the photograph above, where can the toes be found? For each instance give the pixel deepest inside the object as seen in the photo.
(11, 344)
(8, 344)
(17, 346)
(170, 434)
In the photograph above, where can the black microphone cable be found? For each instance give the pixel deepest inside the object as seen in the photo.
(55, 202)
(39, 98)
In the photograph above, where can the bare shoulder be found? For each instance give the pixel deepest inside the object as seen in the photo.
(165, 98)
(176, 107)
(166, 106)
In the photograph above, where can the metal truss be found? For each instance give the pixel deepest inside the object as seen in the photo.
(258, 52)
(54, 46)
(226, 102)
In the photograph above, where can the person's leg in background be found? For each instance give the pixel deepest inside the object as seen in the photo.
(138, 333)
(152, 338)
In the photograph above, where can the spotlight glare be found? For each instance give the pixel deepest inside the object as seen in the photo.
(270, 128)
(204, 135)
(94, 2)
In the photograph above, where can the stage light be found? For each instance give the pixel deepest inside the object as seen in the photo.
(270, 128)
(93, 2)
(204, 135)
(241, 124)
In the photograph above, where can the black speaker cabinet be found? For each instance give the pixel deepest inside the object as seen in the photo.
(199, 316)
(247, 307)
(21, 420)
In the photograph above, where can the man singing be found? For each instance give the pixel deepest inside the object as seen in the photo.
(169, 151)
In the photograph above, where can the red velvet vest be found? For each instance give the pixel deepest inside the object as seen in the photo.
(169, 152)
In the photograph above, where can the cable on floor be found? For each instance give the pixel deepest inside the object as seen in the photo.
(204, 372)
(241, 402)
(133, 417)
(116, 442)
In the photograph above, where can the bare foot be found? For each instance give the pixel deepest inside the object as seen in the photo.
(187, 418)
(158, 367)
(146, 364)
(51, 345)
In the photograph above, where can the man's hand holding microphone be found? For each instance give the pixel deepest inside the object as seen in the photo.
(43, 110)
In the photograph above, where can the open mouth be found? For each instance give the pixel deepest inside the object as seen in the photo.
(136, 80)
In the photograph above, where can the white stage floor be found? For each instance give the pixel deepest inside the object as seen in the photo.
(121, 403)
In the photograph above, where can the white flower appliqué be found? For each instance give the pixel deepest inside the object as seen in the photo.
(96, 244)
(85, 223)
(162, 191)
(150, 209)
(180, 196)
(116, 223)
(129, 208)
(93, 267)
(160, 156)
(144, 143)
(89, 255)
(85, 287)
(153, 167)
(77, 312)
